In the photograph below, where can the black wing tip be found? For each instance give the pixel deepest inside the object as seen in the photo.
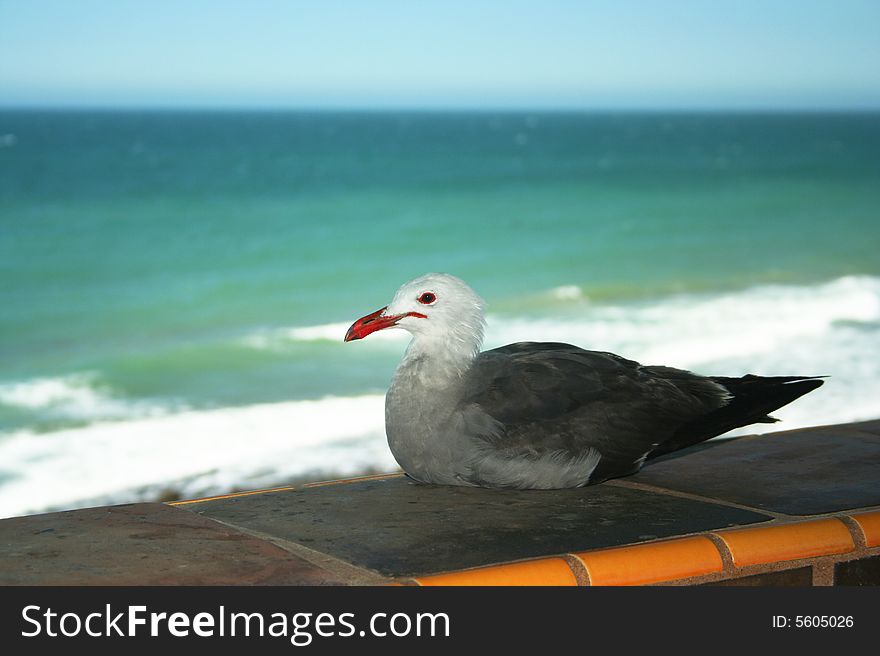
(751, 381)
(783, 379)
(813, 382)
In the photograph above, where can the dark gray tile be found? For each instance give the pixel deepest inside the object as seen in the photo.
(142, 544)
(804, 472)
(801, 576)
(400, 528)
(865, 571)
(872, 426)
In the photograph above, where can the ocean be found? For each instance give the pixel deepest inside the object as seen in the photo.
(176, 285)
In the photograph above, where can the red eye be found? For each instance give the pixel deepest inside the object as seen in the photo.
(427, 298)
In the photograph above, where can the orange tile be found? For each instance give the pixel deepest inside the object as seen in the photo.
(652, 563)
(869, 522)
(768, 544)
(544, 571)
(229, 496)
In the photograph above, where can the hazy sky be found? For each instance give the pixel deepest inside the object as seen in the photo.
(391, 53)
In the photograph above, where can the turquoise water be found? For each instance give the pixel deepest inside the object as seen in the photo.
(160, 265)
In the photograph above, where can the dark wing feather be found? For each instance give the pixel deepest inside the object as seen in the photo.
(551, 397)
(752, 399)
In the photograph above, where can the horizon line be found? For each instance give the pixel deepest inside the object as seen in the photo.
(428, 109)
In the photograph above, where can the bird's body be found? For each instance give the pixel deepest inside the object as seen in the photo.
(541, 415)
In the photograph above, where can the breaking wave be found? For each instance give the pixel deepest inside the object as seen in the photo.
(682, 330)
(77, 396)
(196, 453)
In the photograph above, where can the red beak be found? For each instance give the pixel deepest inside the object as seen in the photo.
(373, 322)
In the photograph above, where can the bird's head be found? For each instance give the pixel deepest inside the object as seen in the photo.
(433, 307)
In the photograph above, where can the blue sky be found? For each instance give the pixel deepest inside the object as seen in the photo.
(388, 53)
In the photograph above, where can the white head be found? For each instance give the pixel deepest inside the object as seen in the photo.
(442, 313)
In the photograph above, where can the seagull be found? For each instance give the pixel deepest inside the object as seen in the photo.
(541, 415)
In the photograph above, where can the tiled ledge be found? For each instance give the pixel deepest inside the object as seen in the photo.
(711, 557)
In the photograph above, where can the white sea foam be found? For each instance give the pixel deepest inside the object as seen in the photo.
(276, 339)
(690, 330)
(198, 452)
(567, 293)
(77, 396)
(685, 329)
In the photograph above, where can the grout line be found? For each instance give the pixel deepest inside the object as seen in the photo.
(232, 495)
(729, 567)
(694, 497)
(823, 574)
(356, 479)
(856, 531)
(578, 568)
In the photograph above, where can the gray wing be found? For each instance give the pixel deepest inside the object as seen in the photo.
(549, 398)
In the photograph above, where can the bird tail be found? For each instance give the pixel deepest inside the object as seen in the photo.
(752, 399)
